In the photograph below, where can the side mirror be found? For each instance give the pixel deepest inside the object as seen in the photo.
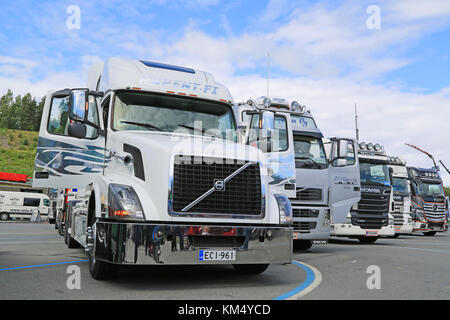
(77, 130)
(78, 105)
(268, 126)
(391, 176)
(343, 149)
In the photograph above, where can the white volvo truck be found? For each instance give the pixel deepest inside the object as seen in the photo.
(326, 190)
(370, 217)
(402, 197)
(161, 176)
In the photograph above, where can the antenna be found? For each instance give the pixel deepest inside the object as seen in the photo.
(429, 155)
(444, 166)
(268, 72)
(356, 123)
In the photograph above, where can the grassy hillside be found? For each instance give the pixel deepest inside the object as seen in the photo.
(17, 151)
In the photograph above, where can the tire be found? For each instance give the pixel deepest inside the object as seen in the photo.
(250, 268)
(367, 239)
(429, 233)
(4, 216)
(69, 241)
(302, 244)
(101, 270)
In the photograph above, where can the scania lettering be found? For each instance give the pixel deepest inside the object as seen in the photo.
(325, 190)
(402, 197)
(370, 217)
(429, 205)
(145, 145)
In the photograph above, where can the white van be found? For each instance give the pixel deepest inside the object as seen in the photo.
(22, 204)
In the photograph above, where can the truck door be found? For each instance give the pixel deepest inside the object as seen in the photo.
(344, 178)
(272, 133)
(71, 146)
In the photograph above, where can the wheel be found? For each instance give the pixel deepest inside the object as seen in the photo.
(71, 243)
(101, 270)
(4, 216)
(250, 268)
(302, 244)
(367, 239)
(429, 233)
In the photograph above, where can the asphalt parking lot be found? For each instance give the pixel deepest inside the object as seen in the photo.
(34, 262)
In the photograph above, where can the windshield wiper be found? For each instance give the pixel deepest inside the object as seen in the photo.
(146, 125)
(306, 158)
(196, 129)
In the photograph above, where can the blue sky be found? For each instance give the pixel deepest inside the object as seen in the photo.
(322, 52)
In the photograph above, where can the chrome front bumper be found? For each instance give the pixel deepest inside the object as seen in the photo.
(146, 244)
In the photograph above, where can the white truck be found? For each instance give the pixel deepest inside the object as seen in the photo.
(370, 217)
(326, 189)
(161, 175)
(21, 205)
(402, 197)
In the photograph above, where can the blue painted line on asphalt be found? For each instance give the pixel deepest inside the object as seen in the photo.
(310, 277)
(43, 265)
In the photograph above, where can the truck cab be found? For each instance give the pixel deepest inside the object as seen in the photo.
(402, 197)
(429, 205)
(161, 176)
(325, 189)
(370, 218)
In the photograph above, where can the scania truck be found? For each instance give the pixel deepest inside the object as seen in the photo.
(161, 176)
(429, 205)
(326, 188)
(370, 218)
(402, 197)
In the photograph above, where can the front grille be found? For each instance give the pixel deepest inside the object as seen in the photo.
(436, 224)
(308, 194)
(375, 204)
(193, 176)
(199, 241)
(398, 219)
(305, 213)
(434, 212)
(304, 226)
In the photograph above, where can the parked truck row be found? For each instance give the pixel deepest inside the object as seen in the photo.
(156, 164)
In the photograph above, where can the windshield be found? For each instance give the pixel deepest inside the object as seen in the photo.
(309, 152)
(400, 185)
(434, 190)
(374, 173)
(144, 111)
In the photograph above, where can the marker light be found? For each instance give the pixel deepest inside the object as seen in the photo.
(370, 146)
(295, 105)
(267, 102)
(362, 145)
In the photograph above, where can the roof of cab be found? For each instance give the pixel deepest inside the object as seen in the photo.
(121, 73)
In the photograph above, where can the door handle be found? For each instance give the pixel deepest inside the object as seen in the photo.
(357, 189)
(41, 175)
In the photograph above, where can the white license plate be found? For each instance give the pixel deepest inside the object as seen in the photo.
(217, 255)
(371, 233)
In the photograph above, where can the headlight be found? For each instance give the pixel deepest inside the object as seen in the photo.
(420, 215)
(285, 209)
(124, 203)
(326, 218)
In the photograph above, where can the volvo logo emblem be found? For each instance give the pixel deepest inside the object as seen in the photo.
(219, 185)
